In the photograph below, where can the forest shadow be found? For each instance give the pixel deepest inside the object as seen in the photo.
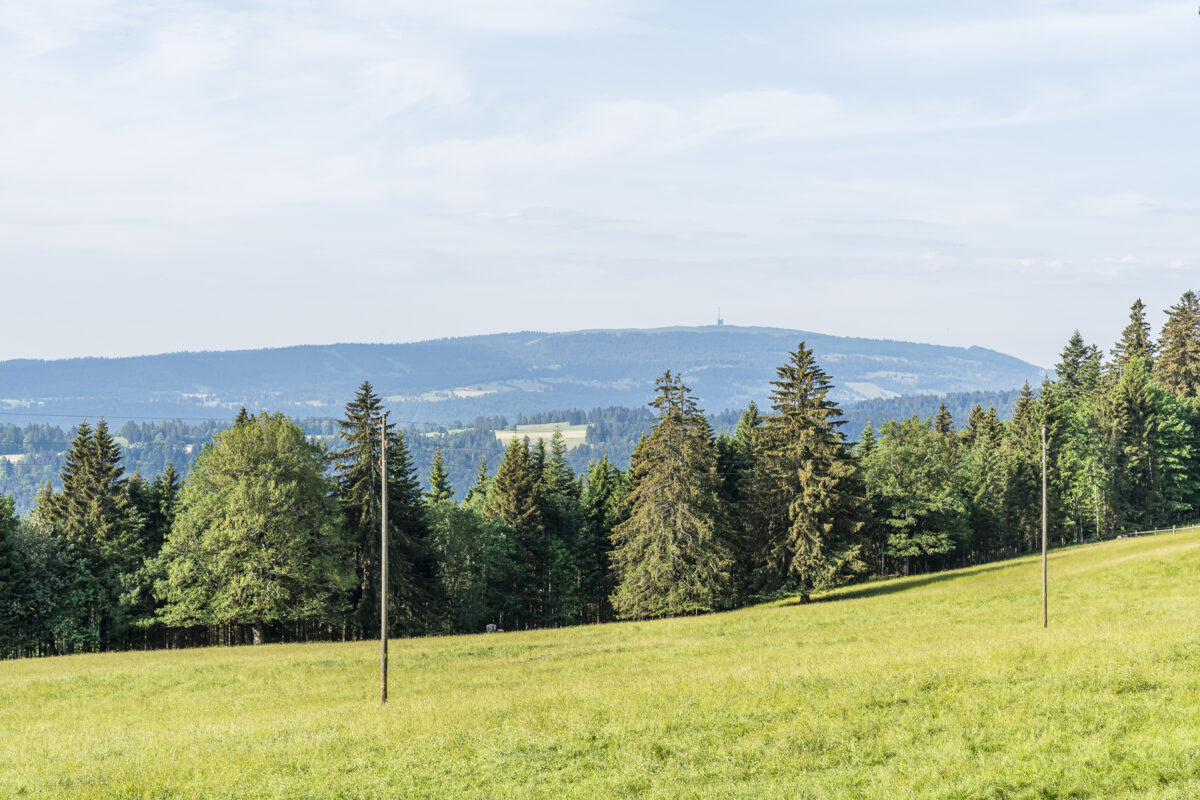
(895, 585)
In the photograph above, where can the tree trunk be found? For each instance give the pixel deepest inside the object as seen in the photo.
(257, 629)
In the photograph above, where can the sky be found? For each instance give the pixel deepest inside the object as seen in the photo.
(223, 175)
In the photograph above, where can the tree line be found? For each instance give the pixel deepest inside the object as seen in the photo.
(275, 536)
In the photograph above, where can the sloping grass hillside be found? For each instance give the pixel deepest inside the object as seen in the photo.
(940, 686)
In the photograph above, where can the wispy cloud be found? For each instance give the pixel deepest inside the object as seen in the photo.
(1047, 35)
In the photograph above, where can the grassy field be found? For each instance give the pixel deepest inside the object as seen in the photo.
(573, 435)
(940, 686)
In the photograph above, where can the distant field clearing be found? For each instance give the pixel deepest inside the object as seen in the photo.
(573, 435)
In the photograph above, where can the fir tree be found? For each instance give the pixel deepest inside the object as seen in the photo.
(866, 442)
(515, 498)
(439, 481)
(94, 514)
(943, 423)
(11, 594)
(479, 490)
(1177, 368)
(603, 503)
(1136, 341)
(805, 482)
(1078, 369)
(412, 573)
(667, 555)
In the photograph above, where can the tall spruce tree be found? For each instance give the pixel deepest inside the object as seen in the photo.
(412, 572)
(1136, 341)
(93, 512)
(440, 489)
(515, 498)
(943, 421)
(603, 509)
(668, 556)
(1177, 368)
(11, 595)
(805, 481)
(480, 488)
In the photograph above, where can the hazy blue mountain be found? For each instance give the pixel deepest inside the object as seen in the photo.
(445, 380)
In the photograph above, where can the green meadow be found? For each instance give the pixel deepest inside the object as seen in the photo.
(573, 435)
(942, 686)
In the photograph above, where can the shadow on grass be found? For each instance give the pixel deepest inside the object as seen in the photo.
(894, 585)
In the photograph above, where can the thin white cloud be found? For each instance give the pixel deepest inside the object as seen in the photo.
(1057, 35)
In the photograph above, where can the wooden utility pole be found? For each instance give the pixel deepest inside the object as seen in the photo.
(1045, 620)
(383, 561)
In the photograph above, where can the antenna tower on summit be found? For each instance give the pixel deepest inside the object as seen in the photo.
(719, 320)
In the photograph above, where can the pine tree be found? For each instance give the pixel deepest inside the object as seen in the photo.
(667, 555)
(735, 463)
(412, 574)
(94, 514)
(439, 481)
(943, 423)
(516, 499)
(1177, 368)
(603, 503)
(557, 474)
(1135, 339)
(10, 593)
(866, 442)
(975, 424)
(1078, 369)
(805, 482)
(478, 493)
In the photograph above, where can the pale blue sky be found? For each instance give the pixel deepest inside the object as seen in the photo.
(222, 175)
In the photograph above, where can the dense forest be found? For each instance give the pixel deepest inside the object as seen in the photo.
(274, 532)
(31, 455)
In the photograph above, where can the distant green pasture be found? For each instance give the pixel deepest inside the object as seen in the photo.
(573, 435)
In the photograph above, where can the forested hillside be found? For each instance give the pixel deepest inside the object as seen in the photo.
(274, 532)
(31, 455)
(451, 380)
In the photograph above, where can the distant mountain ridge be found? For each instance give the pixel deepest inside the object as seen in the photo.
(445, 380)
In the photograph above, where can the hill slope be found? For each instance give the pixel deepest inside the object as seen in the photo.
(510, 373)
(939, 686)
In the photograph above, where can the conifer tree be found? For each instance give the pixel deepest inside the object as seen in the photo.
(866, 442)
(557, 474)
(1136, 341)
(10, 593)
(94, 514)
(1177, 368)
(603, 509)
(412, 573)
(439, 481)
(515, 498)
(805, 481)
(1078, 369)
(735, 464)
(480, 488)
(667, 555)
(975, 424)
(943, 422)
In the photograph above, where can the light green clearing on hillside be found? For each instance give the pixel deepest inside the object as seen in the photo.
(940, 686)
(573, 435)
